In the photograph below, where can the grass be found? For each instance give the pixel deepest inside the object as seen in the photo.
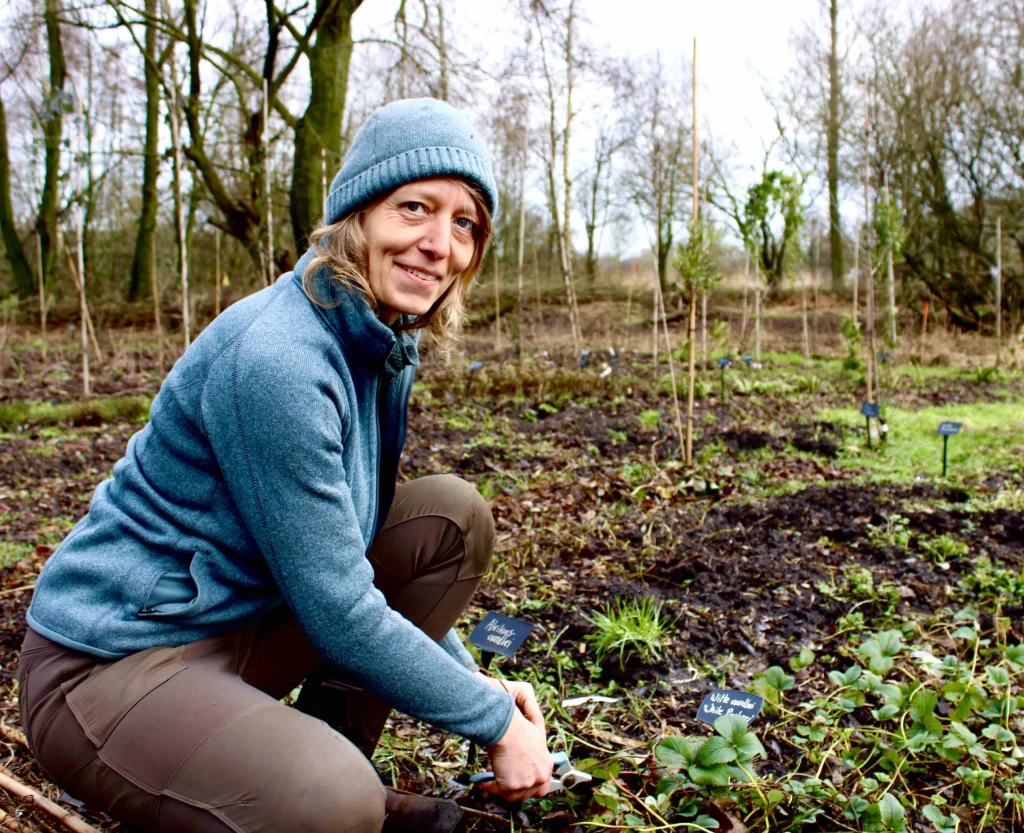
(629, 627)
(85, 412)
(11, 552)
(992, 441)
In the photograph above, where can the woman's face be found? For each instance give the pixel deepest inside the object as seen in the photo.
(419, 238)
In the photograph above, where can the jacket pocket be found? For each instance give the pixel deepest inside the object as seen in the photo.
(102, 700)
(174, 593)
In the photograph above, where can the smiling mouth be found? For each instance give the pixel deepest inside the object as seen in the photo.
(425, 277)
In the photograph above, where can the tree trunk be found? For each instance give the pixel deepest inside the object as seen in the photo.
(24, 284)
(835, 234)
(145, 240)
(320, 126)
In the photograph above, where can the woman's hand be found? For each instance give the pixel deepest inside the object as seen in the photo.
(520, 761)
(523, 694)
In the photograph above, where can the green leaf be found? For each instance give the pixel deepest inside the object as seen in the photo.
(750, 747)
(887, 712)
(890, 809)
(732, 727)
(717, 750)
(963, 732)
(970, 634)
(676, 752)
(779, 679)
(922, 704)
(997, 675)
(890, 692)
(997, 733)
(713, 776)
(942, 823)
(1015, 656)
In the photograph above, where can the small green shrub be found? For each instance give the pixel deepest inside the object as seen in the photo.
(649, 419)
(629, 627)
(943, 549)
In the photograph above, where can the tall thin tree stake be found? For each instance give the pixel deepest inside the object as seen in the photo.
(323, 184)
(757, 309)
(814, 285)
(497, 303)
(266, 173)
(42, 291)
(83, 307)
(660, 306)
(999, 288)
(521, 251)
(693, 289)
(856, 276)
(746, 281)
(179, 207)
(891, 275)
(216, 273)
(869, 287)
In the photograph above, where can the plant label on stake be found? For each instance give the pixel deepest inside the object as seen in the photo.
(869, 410)
(498, 634)
(748, 360)
(947, 430)
(729, 701)
(724, 362)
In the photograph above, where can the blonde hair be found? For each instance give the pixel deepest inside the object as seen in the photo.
(342, 248)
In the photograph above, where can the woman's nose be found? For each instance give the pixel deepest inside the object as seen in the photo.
(437, 238)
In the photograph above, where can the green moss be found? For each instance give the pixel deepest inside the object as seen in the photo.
(86, 412)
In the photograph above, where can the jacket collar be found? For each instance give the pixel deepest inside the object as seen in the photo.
(361, 333)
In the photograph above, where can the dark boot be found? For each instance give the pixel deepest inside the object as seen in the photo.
(421, 814)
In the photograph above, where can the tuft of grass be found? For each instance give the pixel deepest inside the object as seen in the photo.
(992, 441)
(629, 627)
(943, 549)
(85, 412)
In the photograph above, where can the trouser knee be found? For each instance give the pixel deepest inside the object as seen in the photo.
(472, 514)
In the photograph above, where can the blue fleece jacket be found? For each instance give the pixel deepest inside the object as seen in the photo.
(266, 469)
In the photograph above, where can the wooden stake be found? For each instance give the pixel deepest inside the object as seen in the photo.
(519, 255)
(80, 247)
(70, 820)
(42, 291)
(692, 329)
(266, 174)
(216, 272)
(746, 281)
(891, 275)
(88, 315)
(497, 304)
(856, 276)
(999, 288)
(323, 185)
(660, 307)
(155, 289)
(654, 318)
(179, 207)
(869, 287)
(757, 309)
(814, 285)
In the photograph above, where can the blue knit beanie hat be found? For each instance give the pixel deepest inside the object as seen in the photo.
(406, 140)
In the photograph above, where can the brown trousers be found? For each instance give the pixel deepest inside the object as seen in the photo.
(194, 738)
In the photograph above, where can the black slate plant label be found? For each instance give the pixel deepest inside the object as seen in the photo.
(948, 429)
(729, 701)
(748, 358)
(869, 410)
(724, 361)
(499, 634)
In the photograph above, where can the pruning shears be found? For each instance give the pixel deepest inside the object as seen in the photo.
(564, 777)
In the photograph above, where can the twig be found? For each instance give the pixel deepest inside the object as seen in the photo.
(69, 819)
(13, 735)
(9, 822)
(478, 813)
(14, 590)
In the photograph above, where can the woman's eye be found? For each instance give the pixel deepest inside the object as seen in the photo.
(412, 206)
(465, 223)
